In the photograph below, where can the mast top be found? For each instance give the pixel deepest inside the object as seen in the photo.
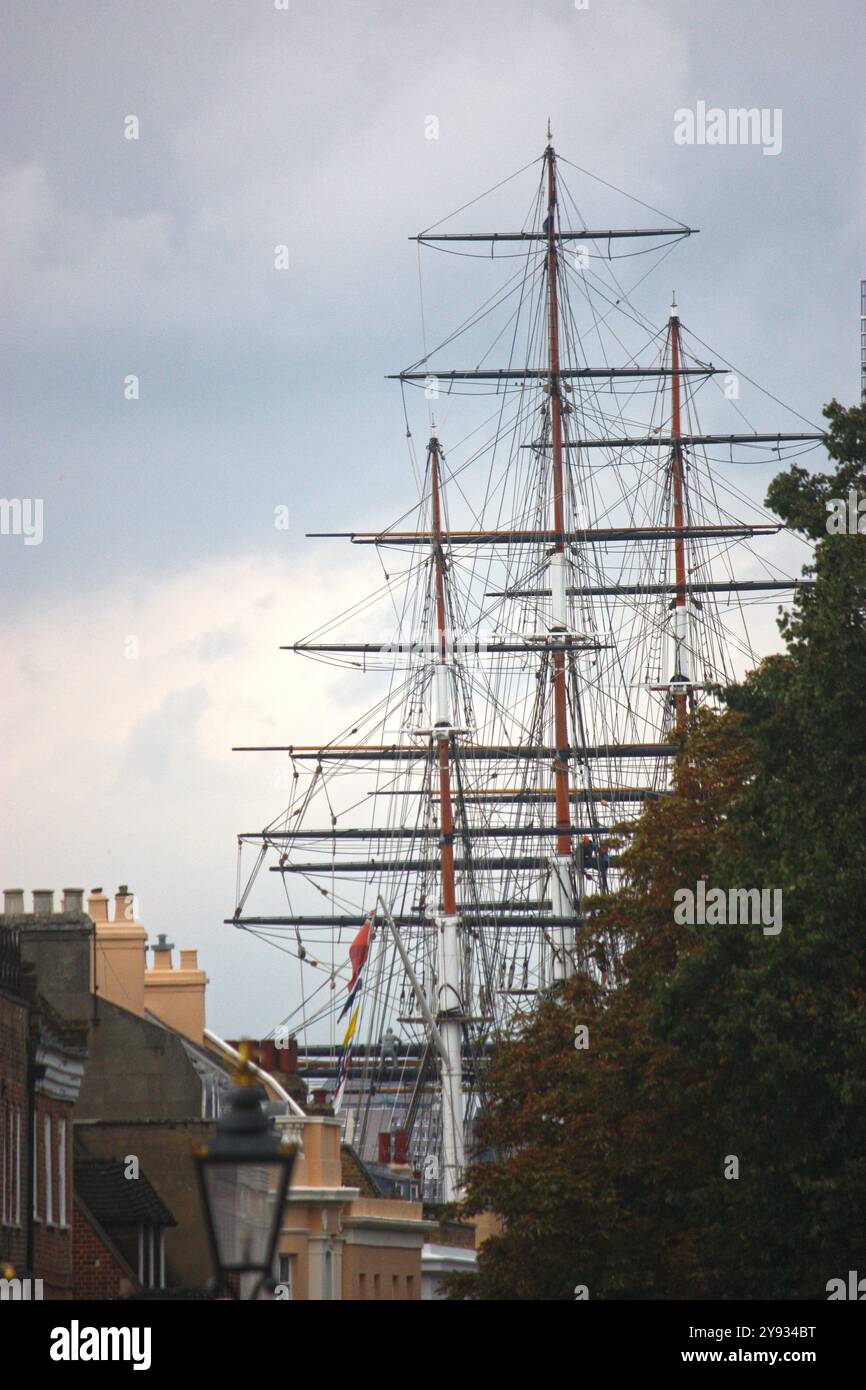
(549, 135)
(675, 313)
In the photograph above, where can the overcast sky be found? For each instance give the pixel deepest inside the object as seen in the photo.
(258, 388)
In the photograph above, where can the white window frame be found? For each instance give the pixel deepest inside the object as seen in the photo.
(35, 1137)
(49, 1171)
(16, 1214)
(286, 1263)
(61, 1173)
(4, 1112)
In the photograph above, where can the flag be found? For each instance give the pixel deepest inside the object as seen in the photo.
(358, 951)
(343, 1059)
(358, 956)
(351, 999)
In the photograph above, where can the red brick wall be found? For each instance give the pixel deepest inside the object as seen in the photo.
(14, 1024)
(96, 1272)
(52, 1245)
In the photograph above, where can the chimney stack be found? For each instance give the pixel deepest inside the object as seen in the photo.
(401, 1148)
(124, 905)
(73, 900)
(119, 958)
(162, 950)
(43, 902)
(97, 905)
(13, 902)
(176, 995)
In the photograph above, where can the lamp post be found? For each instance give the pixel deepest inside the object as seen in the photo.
(243, 1177)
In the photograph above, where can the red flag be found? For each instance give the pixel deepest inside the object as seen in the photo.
(358, 951)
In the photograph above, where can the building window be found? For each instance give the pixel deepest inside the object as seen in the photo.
(376, 1293)
(395, 1286)
(17, 1165)
(410, 1285)
(285, 1273)
(49, 1174)
(210, 1096)
(35, 1151)
(10, 1164)
(4, 1147)
(61, 1172)
(151, 1256)
(362, 1286)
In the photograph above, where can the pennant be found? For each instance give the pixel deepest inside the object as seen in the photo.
(351, 999)
(358, 951)
(343, 1059)
(358, 956)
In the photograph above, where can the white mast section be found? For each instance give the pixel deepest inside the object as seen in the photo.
(450, 1007)
(562, 865)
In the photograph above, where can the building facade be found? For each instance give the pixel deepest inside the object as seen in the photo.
(107, 1064)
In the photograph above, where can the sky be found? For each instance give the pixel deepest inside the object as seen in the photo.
(140, 637)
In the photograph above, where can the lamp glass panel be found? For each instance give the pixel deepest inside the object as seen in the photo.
(242, 1199)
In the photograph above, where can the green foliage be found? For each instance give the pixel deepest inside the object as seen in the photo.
(717, 1040)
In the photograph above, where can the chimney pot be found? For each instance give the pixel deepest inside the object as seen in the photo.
(124, 905)
(43, 901)
(162, 949)
(320, 1103)
(97, 906)
(287, 1055)
(13, 901)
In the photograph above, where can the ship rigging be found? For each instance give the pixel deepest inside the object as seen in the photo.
(561, 598)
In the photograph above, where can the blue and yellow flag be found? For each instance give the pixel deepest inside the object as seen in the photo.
(343, 1059)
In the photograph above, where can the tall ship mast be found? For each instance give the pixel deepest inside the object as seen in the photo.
(561, 598)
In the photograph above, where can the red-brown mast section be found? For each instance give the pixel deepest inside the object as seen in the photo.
(560, 695)
(678, 485)
(446, 812)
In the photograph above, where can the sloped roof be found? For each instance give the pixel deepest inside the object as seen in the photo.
(68, 1034)
(356, 1174)
(116, 1200)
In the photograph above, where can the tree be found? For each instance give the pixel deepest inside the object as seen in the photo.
(779, 1022)
(612, 1163)
(596, 1147)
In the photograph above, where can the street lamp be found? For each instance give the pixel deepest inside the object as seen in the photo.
(243, 1177)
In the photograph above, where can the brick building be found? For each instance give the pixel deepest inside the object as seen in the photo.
(42, 1060)
(153, 1084)
(147, 1092)
(99, 1268)
(120, 1207)
(59, 1056)
(15, 1106)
